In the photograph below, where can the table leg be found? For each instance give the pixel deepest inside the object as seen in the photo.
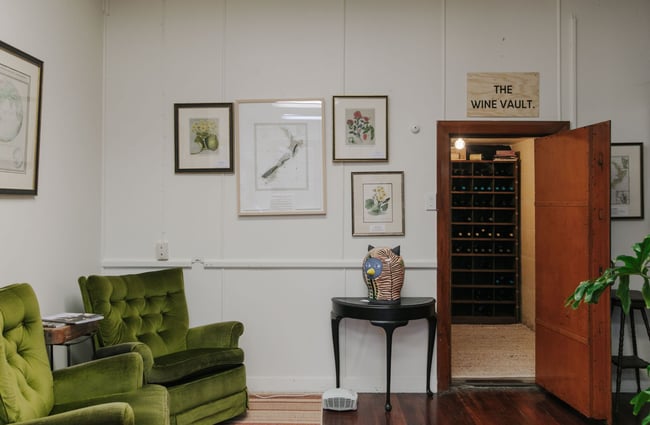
(619, 366)
(388, 327)
(335, 340)
(50, 355)
(432, 340)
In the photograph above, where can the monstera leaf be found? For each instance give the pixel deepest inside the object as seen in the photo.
(624, 266)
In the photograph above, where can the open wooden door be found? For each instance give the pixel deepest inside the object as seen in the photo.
(572, 244)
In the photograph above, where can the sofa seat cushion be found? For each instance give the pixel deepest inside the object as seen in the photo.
(197, 394)
(175, 367)
(150, 404)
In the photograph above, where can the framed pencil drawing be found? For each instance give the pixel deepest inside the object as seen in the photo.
(280, 157)
(21, 81)
(378, 203)
(626, 183)
(360, 128)
(203, 138)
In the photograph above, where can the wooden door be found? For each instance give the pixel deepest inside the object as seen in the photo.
(572, 244)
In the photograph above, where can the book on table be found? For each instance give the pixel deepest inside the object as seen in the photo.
(72, 318)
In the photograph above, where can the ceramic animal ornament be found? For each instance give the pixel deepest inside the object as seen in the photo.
(383, 272)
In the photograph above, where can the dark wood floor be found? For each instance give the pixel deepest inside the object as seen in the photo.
(481, 406)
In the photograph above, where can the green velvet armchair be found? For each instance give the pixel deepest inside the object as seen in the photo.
(202, 367)
(88, 393)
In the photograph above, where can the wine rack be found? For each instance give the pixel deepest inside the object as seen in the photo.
(485, 282)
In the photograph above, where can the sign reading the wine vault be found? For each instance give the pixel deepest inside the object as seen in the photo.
(503, 94)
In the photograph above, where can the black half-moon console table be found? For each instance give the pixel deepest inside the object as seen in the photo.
(389, 317)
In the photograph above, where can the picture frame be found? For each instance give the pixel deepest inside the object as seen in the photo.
(360, 128)
(203, 138)
(280, 157)
(378, 203)
(21, 84)
(626, 185)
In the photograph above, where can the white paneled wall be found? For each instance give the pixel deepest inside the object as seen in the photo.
(279, 273)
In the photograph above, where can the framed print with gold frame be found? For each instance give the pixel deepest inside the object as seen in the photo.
(378, 203)
(280, 157)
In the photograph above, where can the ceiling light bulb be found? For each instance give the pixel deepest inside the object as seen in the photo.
(459, 143)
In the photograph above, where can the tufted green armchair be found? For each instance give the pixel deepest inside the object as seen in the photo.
(202, 367)
(88, 393)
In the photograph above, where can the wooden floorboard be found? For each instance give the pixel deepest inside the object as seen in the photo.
(481, 406)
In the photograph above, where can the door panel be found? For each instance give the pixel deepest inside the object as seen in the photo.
(550, 262)
(572, 244)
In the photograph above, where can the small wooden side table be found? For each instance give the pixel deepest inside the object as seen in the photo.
(67, 336)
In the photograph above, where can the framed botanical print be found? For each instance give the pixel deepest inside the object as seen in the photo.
(360, 128)
(378, 203)
(203, 138)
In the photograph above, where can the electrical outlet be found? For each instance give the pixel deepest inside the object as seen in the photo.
(430, 201)
(162, 251)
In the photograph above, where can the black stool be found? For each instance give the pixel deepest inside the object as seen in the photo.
(633, 361)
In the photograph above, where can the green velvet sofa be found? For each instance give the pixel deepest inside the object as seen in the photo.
(202, 367)
(88, 393)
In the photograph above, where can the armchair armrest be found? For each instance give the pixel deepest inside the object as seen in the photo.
(129, 347)
(98, 378)
(102, 414)
(215, 335)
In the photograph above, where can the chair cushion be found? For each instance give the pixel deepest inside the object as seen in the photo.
(25, 376)
(147, 307)
(150, 404)
(178, 366)
(193, 399)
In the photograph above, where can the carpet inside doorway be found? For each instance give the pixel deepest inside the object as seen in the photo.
(492, 352)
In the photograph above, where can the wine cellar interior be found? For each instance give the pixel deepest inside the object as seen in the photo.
(492, 254)
(485, 243)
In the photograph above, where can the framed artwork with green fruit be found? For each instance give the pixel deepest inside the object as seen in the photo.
(203, 138)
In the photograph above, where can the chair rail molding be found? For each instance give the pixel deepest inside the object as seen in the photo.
(249, 263)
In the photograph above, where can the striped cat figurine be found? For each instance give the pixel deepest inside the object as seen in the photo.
(383, 272)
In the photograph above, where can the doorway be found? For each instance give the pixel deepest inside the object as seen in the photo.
(571, 244)
(487, 132)
(493, 261)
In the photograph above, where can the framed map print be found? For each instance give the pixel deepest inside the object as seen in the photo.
(626, 185)
(21, 81)
(280, 153)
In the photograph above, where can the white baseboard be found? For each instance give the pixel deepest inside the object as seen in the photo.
(318, 384)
